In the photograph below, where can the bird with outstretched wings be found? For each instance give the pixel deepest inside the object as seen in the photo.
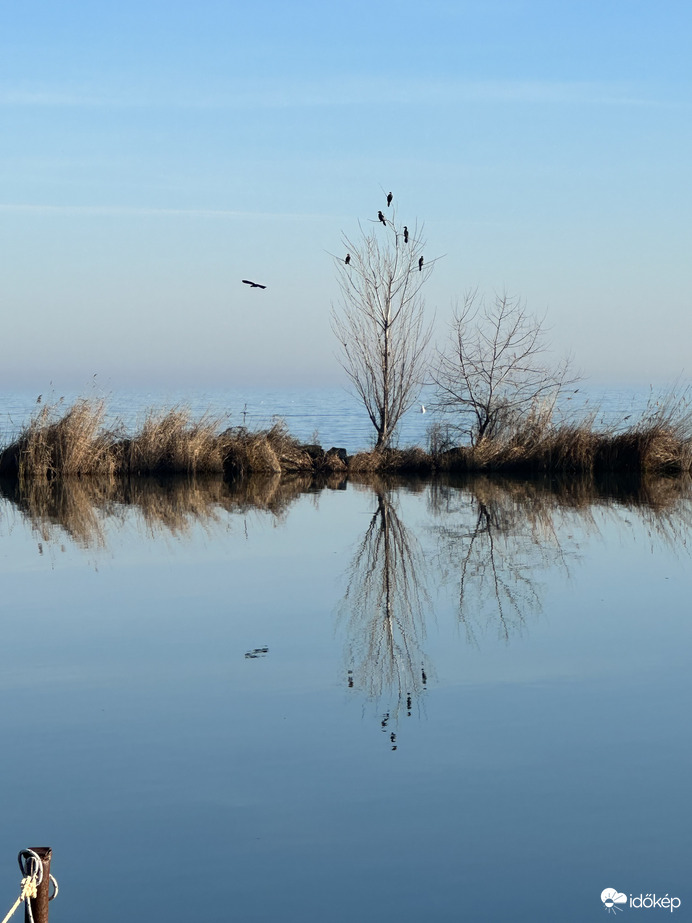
(253, 284)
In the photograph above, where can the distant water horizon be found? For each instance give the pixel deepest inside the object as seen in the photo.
(329, 416)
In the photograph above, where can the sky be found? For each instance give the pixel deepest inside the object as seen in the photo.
(154, 154)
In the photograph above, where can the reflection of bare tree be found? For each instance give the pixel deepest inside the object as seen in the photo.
(498, 536)
(496, 542)
(384, 606)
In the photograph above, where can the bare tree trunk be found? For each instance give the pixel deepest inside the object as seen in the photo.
(380, 322)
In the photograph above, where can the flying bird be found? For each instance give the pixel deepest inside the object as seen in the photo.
(405, 234)
(253, 284)
(420, 264)
(382, 218)
(389, 199)
(348, 259)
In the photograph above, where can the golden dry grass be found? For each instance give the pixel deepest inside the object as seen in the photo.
(51, 445)
(171, 441)
(77, 443)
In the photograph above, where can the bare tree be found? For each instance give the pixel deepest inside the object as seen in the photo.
(380, 320)
(492, 370)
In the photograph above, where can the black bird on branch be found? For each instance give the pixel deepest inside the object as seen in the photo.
(382, 218)
(420, 265)
(389, 199)
(253, 284)
(405, 234)
(348, 259)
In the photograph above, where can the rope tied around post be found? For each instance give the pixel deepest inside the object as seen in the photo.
(31, 866)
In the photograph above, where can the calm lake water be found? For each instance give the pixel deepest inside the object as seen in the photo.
(427, 701)
(330, 416)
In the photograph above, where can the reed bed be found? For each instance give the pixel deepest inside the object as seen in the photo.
(51, 445)
(76, 442)
(660, 441)
(172, 442)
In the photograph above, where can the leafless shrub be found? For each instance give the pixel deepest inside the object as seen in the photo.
(492, 376)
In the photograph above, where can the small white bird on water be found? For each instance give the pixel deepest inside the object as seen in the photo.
(422, 408)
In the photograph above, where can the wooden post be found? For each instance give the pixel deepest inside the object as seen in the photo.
(39, 904)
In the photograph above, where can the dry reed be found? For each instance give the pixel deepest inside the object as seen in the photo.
(73, 444)
(78, 443)
(172, 442)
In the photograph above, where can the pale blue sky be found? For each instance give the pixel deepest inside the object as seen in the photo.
(153, 154)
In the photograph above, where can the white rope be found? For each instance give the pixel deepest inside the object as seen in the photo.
(32, 875)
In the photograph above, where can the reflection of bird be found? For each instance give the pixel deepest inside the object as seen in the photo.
(389, 199)
(420, 264)
(382, 218)
(348, 259)
(405, 234)
(253, 284)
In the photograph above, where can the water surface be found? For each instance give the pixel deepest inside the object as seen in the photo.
(386, 702)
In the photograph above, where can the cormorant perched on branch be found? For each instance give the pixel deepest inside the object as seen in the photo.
(348, 259)
(389, 199)
(253, 284)
(382, 218)
(420, 264)
(405, 234)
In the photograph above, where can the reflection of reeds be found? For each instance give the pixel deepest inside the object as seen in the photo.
(73, 506)
(82, 508)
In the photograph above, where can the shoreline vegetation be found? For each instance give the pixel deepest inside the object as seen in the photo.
(75, 442)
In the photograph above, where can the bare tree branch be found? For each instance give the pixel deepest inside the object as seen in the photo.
(492, 372)
(380, 320)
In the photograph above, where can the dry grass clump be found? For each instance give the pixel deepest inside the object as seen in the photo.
(245, 452)
(659, 442)
(413, 460)
(75, 443)
(171, 441)
(273, 451)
